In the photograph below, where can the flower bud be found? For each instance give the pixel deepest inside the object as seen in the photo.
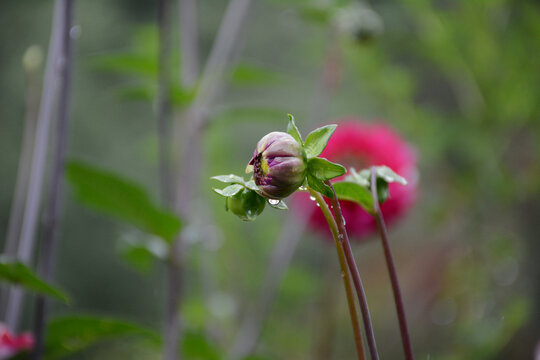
(278, 164)
(246, 204)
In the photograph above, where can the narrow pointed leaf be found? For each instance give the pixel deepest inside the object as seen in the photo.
(16, 273)
(292, 129)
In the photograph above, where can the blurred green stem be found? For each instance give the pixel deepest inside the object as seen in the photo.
(377, 214)
(344, 272)
(343, 239)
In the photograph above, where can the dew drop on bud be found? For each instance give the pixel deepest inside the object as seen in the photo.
(312, 198)
(273, 201)
(318, 205)
(302, 188)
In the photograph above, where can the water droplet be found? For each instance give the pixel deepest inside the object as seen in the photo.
(318, 205)
(75, 32)
(312, 198)
(273, 201)
(302, 188)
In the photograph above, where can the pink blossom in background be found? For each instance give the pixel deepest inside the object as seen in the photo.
(11, 344)
(359, 145)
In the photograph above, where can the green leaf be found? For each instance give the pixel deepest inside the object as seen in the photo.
(383, 192)
(324, 170)
(195, 346)
(71, 334)
(292, 130)
(249, 74)
(113, 195)
(130, 63)
(229, 179)
(229, 190)
(317, 139)
(16, 273)
(319, 186)
(351, 191)
(383, 172)
(142, 251)
(354, 176)
(280, 205)
(388, 175)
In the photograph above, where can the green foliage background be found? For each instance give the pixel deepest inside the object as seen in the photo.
(460, 80)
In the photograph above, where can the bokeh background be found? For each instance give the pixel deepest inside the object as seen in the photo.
(458, 80)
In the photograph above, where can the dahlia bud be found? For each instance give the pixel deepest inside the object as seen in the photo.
(278, 164)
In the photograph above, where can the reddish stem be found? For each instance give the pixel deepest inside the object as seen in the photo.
(377, 214)
(353, 268)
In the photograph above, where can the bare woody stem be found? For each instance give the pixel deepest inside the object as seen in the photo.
(344, 272)
(343, 238)
(52, 214)
(377, 214)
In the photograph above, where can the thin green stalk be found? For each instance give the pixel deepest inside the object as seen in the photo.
(377, 214)
(343, 238)
(344, 273)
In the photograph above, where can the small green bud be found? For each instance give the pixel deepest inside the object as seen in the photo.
(246, 204)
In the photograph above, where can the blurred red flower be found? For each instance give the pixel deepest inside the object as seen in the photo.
(359, 145)
(11, 344)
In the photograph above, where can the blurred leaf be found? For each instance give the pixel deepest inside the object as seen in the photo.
(142, 252)
(350, 191)
(292, 129)
(229, 190)
(249, 74)
(137, 93)
(324, 170)
(315, 13)
(16, 273)
(195, 346)
(181, 96)
(317, 139)
(119, 197)
(68, 335)
(130, 63)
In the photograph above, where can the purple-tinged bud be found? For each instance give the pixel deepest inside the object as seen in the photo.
(278, 165)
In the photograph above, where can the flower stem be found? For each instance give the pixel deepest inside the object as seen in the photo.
(405, 338)
(344, 272)
(343, 238)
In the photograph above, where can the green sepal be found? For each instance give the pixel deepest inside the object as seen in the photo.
(324, 170)
(319, 186)
(292, 130)
(229, 190)
(317, 139)
(229, 179)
